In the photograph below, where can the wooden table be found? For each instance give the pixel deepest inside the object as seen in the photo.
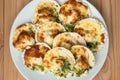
(108, 8)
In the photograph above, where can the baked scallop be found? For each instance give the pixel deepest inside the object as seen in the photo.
(68, 39)
(59, 61)
(46, 11)
(24, 36)
(47, 32)
(33, 56)
(84, 58)
(73, 11)
(91, 30)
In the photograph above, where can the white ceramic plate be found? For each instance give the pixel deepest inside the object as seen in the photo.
(26, 15)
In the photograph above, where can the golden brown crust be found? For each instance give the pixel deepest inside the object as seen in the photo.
(102, 37)
(53, 59)
(91, 30)
(79, 31)
(73, 10)
(67, 40)
(84, 63)
(83, 56)
(48, 31)
(46, 11)
(36, 51)
(23, 36)
(40, 36)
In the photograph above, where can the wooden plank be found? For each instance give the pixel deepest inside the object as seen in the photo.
(111, 13)
(10, 13)
(12, 7)
(1, 40)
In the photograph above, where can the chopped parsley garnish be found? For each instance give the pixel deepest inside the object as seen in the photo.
(57, 19)
(92, 45)
(66, 65)
(53, 11)
(61, 73)
(37, 68)
(72, 74)
(83, 17)
(69, 27)
(33, 68)
(80, 72)
(41, 68)
(30, 30)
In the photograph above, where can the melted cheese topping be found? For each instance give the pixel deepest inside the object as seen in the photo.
(48, 31)
(46, 11)
(73, 11)
(24, 36)
(54, 59)
(90, 29)
(35, 54)
(83, 56)
(68, 39)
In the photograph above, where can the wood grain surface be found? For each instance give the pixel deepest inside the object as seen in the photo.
(109, 10)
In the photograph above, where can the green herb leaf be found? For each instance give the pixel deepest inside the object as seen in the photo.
(57, 19)
(41, 68)
(30, 30)
(66, 66)
(33, 68)
(72, 74)
(69, 27)
(59, 73)
(92, 45)
(83, 17)
(80, 72)
(53, 11)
